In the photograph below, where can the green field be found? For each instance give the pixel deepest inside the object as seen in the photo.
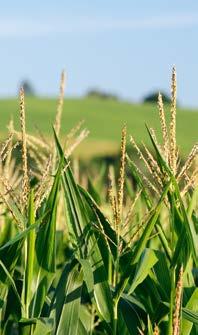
(104, 119)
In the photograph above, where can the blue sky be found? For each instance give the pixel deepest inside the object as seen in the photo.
(127, 47)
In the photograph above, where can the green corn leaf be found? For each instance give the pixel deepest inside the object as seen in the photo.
(66, 310)
(141, 244)
(36, 326)
(11, 282)
(190, 313)
(86, 321)
(149, 204)
(44, 326)
(191, 236)
(101, 222)
(58, 298)
(81, 329)
(162, 273)
(80, 216)
(92, 190)
(192, 202)
(23, 234)
(130, 317)
(188, 233)
(45, 251)
(8, 230)
(87, 275)
(29, 261)
(144, 266)
(9, 256)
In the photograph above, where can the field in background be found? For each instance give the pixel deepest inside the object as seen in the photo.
(104, 119)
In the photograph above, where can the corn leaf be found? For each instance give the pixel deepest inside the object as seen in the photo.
(45, 251)
(80, 217)
(144, 266)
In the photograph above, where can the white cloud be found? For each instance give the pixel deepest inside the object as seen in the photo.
(12, 27)
(21, 28)
(157, 22)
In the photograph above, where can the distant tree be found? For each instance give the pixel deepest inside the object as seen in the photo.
(95, 93)
(152, 97)
(28, 88)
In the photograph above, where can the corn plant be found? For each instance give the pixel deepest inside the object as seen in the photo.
(72, 263)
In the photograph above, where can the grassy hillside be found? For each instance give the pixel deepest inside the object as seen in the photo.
(104, 119)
